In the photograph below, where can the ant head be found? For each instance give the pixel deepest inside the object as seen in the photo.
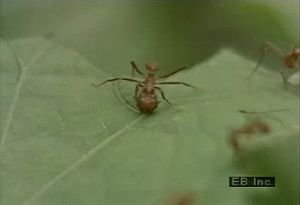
(151, 67)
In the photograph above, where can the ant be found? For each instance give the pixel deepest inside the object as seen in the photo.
(145, 96)
(290, 60)
(247, 130)
(182, 199)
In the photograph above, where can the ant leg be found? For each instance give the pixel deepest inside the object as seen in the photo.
(269, 46)
(258, 63)
(135, 68)
(124, 100)
(136, 92)
(18, 61)
(163, 96)
(114, 79)
(176, 83)
(285, 82)
(262, 112)
(174, 72)
(265, 48)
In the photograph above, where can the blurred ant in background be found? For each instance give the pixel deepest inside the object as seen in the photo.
(253, 126)
(247, 130)
(182, 199)
(290, 60)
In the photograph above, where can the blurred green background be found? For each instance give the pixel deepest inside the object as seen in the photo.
(171, 33)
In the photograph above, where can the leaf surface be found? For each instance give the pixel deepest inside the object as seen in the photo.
(64, 141)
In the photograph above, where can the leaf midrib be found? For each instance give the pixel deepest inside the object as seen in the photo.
(18, 88)
(101, 145)
(10, 116)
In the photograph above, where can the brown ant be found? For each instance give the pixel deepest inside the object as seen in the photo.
(145, 96)
(290, 60)
(182, 199)
(247, 130)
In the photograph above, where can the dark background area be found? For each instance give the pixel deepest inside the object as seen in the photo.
(171, 33)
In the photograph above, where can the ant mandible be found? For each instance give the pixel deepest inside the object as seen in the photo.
(290, 60)
(145, 96)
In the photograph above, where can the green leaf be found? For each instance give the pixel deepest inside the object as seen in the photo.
(64, 141)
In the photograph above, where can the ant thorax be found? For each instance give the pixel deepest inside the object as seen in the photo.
(150, 78)
(148, 91)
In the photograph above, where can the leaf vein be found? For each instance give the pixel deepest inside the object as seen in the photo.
(80, 161)
(17, 94)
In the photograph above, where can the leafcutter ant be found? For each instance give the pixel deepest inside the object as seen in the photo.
(247, 130)
(182, 199)
(145, 90)
(290, 60)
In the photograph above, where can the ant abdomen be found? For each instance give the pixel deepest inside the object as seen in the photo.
(147, 104)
